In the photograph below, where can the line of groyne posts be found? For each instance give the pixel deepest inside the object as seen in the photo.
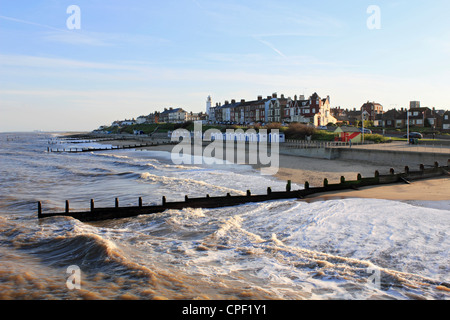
(67, 208)
(434, 171)
(106, 148)
(164, 199)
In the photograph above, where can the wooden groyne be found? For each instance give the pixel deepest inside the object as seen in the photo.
(105, 148)
(117, 212)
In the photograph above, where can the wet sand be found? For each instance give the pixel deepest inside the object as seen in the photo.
(301, 169)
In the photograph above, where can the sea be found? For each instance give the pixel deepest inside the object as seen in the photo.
(342, 249)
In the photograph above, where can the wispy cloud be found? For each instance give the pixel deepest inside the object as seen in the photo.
(52, 63)
(85, 38)
(31, 23)
(104, 39)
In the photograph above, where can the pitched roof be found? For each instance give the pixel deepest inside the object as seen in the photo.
(349, 129)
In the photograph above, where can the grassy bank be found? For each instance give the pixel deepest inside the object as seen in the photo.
(294, 131)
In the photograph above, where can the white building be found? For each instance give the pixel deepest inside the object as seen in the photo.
(177, 116)
(208, 105)
(141, 119)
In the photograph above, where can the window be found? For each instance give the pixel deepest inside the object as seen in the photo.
(446, 117)
(416, 113)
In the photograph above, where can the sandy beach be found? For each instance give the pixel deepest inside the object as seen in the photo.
(301, 169)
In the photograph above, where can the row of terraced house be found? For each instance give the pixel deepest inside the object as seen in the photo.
(395, 118)
(314, 110)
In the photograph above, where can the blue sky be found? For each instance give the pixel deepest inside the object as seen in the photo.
(130, 58)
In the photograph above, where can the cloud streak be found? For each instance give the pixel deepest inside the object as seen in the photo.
(31, 23)
(271, 46)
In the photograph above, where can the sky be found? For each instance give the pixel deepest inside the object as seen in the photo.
(65, 70)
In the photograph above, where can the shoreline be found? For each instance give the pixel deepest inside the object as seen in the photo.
(301, 169)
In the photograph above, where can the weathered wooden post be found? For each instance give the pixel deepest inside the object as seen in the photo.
(117, 202)
(67, 206)
(342, 179)
(325, 182)
(140, 202)
(269, 190)
(92, 205)
(207, 196)
(288, 186)
(186, 198)
(359, 178)
(249, 194)
(306, 185)
(164, 201)
(39, 209)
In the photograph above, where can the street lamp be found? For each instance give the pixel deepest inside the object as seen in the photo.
(363, 113)
(407, 126)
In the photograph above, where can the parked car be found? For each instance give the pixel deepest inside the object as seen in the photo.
(414, 135)
(367, 131)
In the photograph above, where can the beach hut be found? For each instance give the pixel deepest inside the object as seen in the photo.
(347, 134)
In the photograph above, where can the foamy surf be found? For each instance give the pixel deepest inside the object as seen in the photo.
(338, 249)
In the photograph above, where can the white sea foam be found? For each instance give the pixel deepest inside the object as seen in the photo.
(288, 243)
(287, 249)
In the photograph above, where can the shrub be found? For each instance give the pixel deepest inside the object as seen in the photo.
(324, 135)
(299, 131)
(274, 126)
(377, 138)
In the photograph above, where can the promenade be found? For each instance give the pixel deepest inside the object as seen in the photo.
(405, 147)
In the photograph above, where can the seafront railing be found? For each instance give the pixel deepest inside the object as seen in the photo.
(306, 144)
(117, 212)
